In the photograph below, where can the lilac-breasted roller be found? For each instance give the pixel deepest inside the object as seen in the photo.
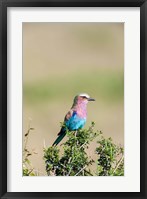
(75, 118)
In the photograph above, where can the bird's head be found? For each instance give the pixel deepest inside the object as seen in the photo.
(82, 98)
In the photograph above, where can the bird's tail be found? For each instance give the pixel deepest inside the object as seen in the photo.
(59, 138)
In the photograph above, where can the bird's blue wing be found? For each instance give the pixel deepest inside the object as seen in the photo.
(72, 122)
(66, 119)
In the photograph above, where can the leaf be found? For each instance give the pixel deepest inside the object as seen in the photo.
(27, 133)
(32, 128)
(27, 161)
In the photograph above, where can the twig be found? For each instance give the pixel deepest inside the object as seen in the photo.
(44, 145)
(81, 170)
(118, 164)
(75, 134)
(30, 171)
(27, 136)
(69, 171)
(88, 173)
(83, 144)
(69, 160)
(63, 165)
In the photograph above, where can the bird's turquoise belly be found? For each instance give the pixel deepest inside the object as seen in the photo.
(75, 123)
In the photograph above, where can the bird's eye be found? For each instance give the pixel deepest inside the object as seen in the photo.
(84, 97)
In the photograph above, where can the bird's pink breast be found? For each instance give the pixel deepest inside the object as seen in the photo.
(81, 111)
(81, 114)
(81, 108)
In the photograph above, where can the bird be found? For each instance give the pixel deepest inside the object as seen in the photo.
(75, 118)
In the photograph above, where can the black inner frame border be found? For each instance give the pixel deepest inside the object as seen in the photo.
(4, 4)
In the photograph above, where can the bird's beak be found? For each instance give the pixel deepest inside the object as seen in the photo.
(91, 99)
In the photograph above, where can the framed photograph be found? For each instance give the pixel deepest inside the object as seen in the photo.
(73, 96)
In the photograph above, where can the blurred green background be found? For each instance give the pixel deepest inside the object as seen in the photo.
(61, 60)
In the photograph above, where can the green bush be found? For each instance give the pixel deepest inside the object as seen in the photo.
(74, 161)
(110, 158)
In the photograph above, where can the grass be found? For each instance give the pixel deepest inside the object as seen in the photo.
(107, 86)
